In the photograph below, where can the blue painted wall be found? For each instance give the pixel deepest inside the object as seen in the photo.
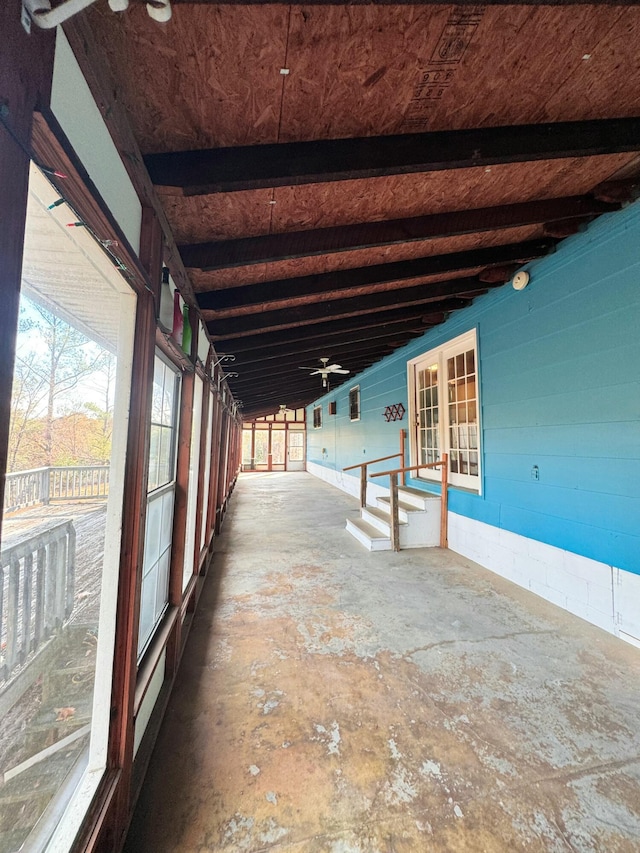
(560, 389)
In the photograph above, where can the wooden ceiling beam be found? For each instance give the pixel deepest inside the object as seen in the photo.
(344, 300)
(346, 356)
(283, 293)
(320, 346)
(408, 313)
(225, 254)
(311, 314)
(215, 170)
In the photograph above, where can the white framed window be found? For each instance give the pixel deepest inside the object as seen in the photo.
(160, 499)
(317, 417)
(444, 409)
(354, 403)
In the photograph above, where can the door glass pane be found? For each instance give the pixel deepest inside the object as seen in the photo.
(277, 447)
(63, 504)
(262, 447)
(463, 428)
(296, 446)
(427, 415)
(246, 446)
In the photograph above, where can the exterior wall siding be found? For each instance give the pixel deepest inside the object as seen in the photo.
(559, 389)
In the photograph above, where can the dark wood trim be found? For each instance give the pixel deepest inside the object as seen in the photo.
(152, 252)
(224, 254)
(153, 655)
(180, 516)
(215, 450)
(52, 145)
(121, 738)
(222, 470)
(340, 308)
(285, 292)
(26, 71)
(98, 823)
(203, 453)
(215, 170)
(95, 69)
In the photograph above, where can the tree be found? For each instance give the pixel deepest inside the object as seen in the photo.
(52, 359)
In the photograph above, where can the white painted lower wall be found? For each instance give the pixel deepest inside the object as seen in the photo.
(347, 483)
(603, 595)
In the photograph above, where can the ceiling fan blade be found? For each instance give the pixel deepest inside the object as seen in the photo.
(341, 370)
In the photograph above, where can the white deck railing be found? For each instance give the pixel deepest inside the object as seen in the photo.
(44, 485)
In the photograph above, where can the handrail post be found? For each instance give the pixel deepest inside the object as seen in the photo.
(363, 486)
(393, 505)
(403, 436)
(444, 501)
(45, 486)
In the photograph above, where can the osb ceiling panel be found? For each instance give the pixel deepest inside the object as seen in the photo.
(251, 213)
(213, 76)
(365, 70)
(219, 279)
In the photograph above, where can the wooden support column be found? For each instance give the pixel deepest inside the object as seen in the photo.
(215, 455)
(363, 486)
(393, 506)
(26, 70)
(222, 470)
(181, 508)
(204, 450)
(444, 503)
(133, 525)
(125, 667)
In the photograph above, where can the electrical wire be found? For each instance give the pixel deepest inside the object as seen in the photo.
(48, 170)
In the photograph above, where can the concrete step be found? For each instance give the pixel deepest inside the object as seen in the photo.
(369, 536)
(379, 518)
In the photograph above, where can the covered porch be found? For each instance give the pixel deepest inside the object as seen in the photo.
(333, 699)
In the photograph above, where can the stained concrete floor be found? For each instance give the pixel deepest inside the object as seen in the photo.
(336, 701)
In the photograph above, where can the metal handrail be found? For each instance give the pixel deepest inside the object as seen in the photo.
(393, 499)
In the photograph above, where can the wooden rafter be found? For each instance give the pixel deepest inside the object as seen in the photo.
(298, 244)
(250, 167)
(231, 300)
(325, 345)
(376, 320)
(311, 314)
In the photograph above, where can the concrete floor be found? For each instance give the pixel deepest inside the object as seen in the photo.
(337, 701)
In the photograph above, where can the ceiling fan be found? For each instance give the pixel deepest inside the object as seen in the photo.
(325, 370)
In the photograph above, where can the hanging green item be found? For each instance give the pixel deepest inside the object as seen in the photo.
(186, 330)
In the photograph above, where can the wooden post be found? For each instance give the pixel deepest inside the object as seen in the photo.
(363, 486)
(403, 435)
(395, 523)
(26, 71)
(444, 501)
